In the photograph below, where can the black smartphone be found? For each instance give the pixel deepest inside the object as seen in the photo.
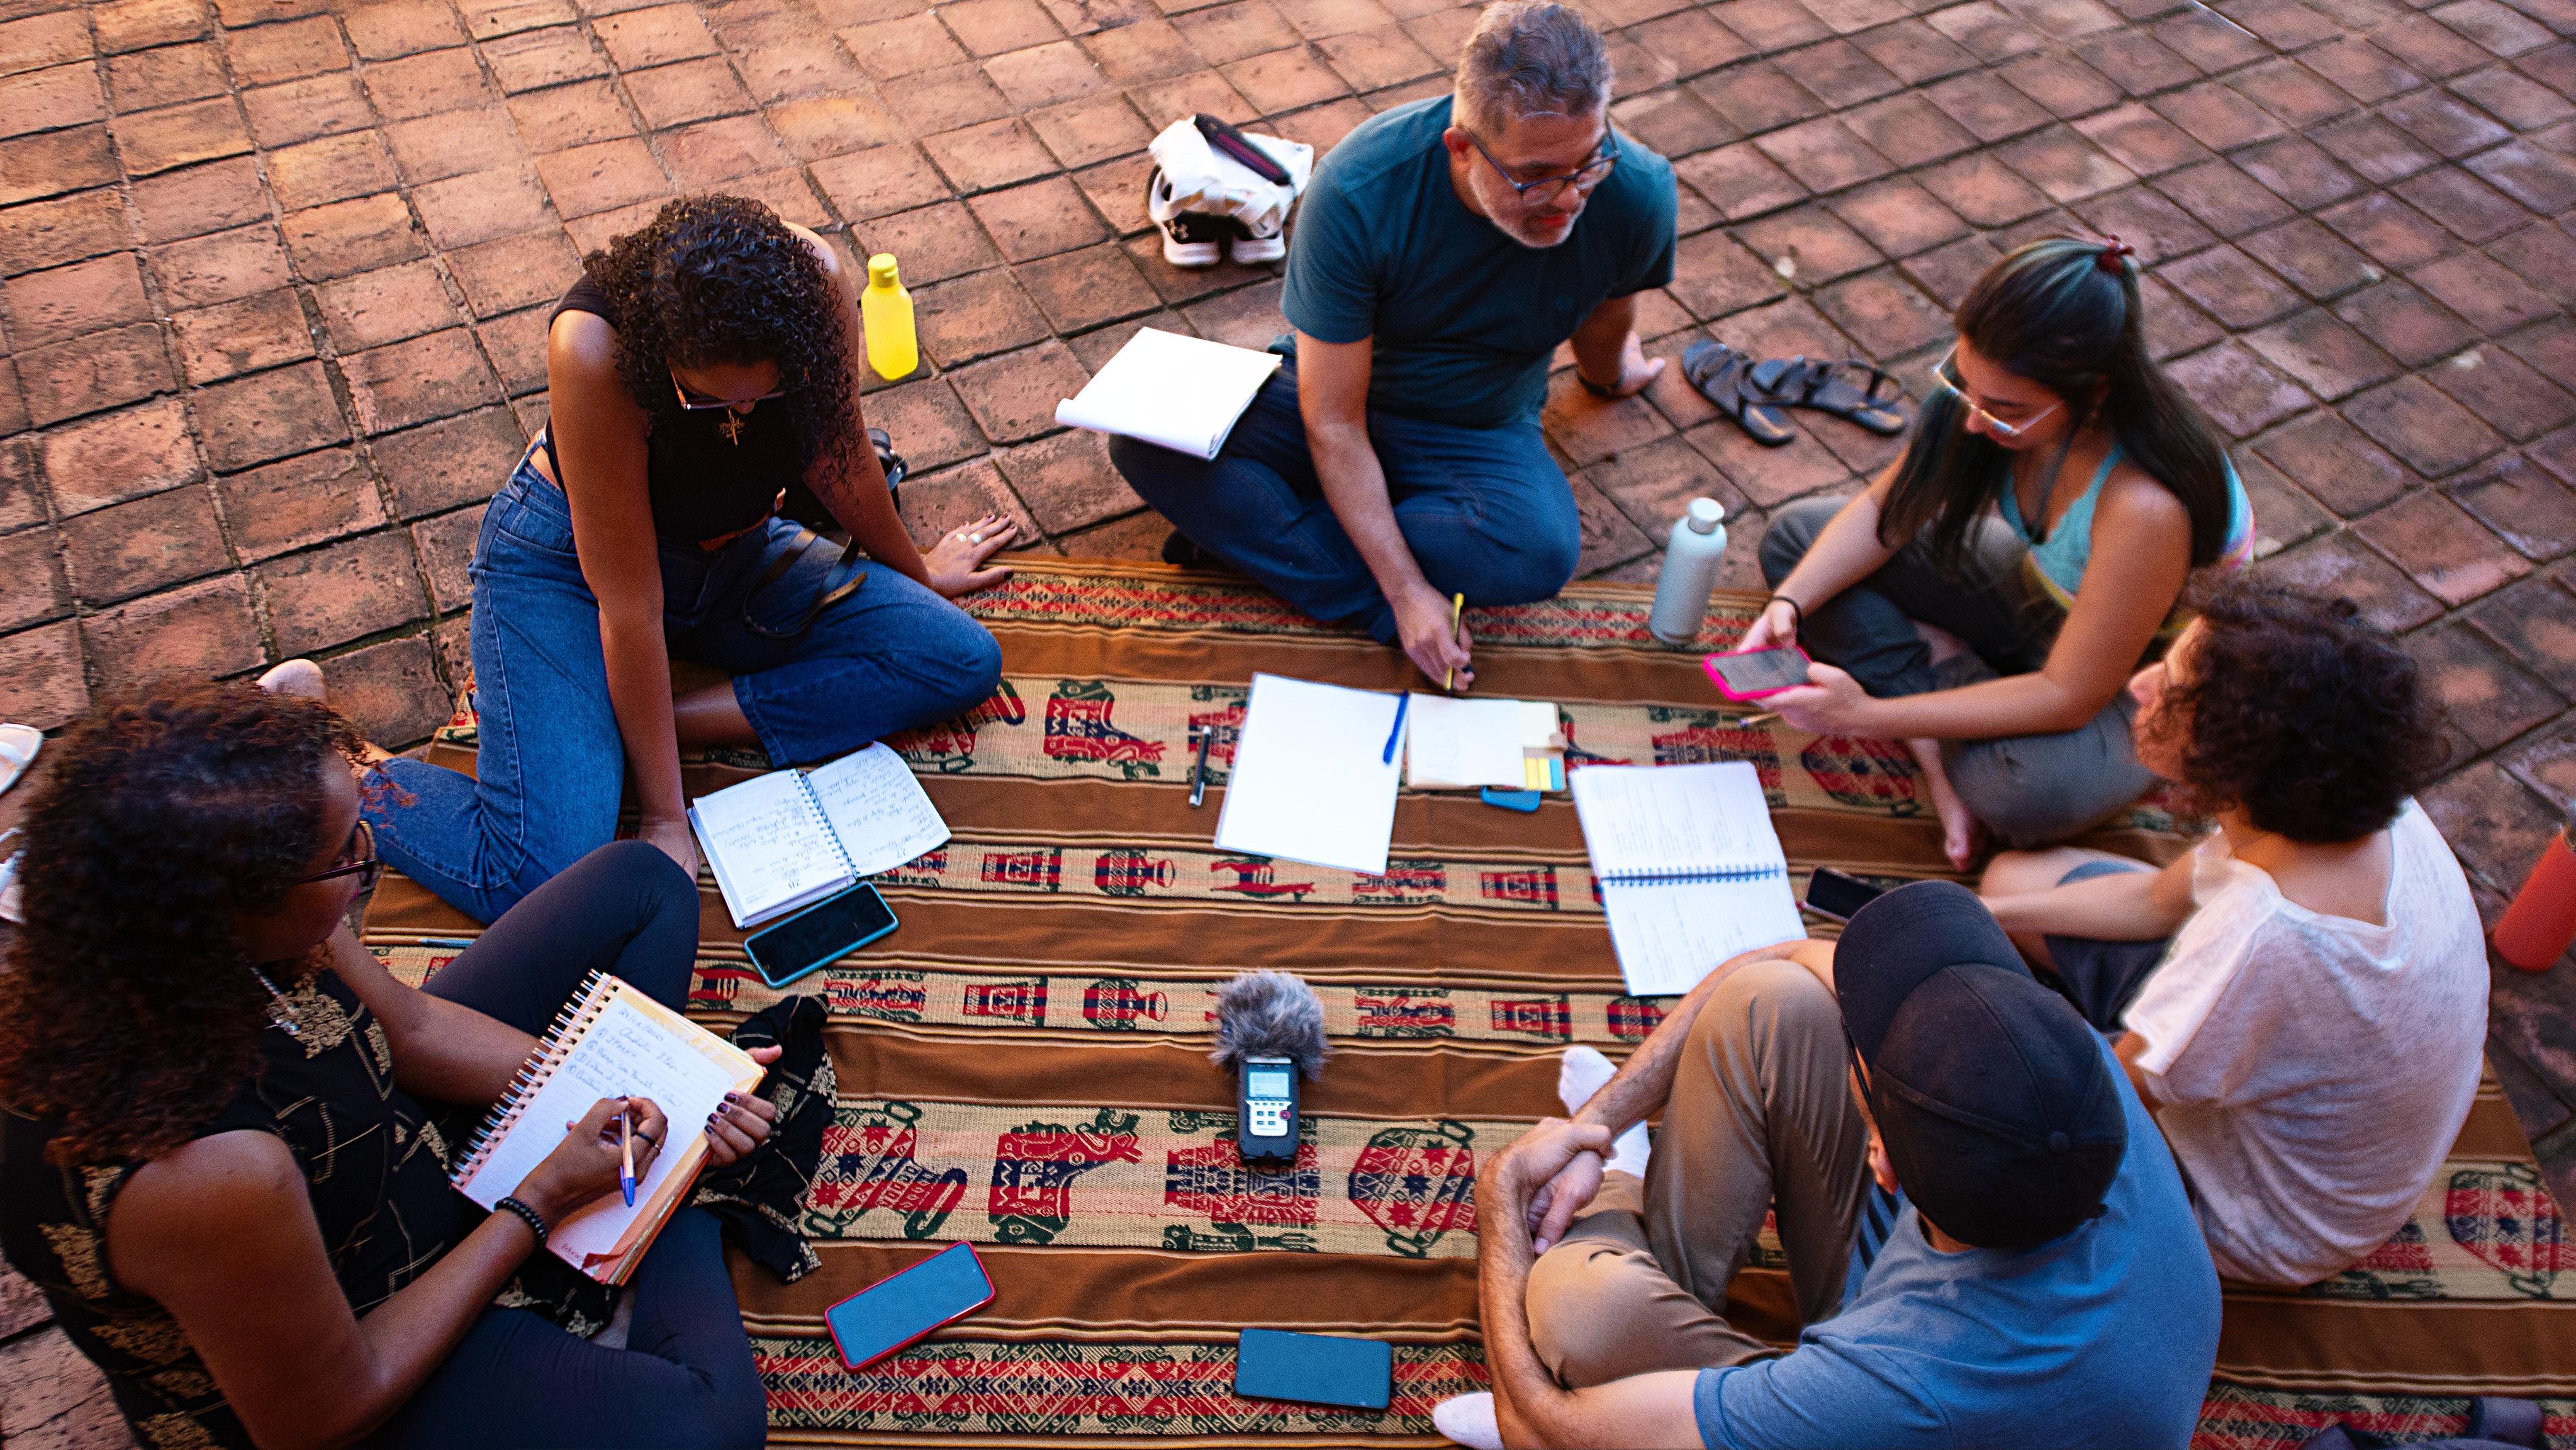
(1756, 673)
(901, 1308)
(823, 932)
(1314, 1369)
(1830, 893)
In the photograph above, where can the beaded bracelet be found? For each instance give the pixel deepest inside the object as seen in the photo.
(536, 1222)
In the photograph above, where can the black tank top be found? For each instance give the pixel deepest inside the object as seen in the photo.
(374, 1167)
(704, 486)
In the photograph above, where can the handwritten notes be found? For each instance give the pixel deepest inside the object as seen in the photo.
(1642, 822)
(882, 815)
(790, 838)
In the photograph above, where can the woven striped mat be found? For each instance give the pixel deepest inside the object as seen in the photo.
(1024, 1063)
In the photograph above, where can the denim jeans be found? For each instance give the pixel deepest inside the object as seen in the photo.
(687, 1375)
(1486, 512)
(2030, 790)
(552, 763)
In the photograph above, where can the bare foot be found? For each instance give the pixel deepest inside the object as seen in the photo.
(1960, 833)
(302, 679)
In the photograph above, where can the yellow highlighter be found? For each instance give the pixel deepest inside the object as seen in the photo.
(1457, 607)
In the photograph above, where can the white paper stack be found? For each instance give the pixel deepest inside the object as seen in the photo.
(1181, 393)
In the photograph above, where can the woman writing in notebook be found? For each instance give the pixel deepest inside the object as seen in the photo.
(700, 367)
(215, 1159)
(2058, 491)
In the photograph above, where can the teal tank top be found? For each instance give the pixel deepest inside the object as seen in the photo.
(2058, 561)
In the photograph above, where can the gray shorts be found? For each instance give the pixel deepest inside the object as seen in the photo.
(2102, 977)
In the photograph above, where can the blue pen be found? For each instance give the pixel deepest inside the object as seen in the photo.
(626, 1157)
(1396, 732)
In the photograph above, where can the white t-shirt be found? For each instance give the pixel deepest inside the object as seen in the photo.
(2314, 1069)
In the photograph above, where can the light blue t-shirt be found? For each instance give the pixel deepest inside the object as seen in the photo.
(2102, 1337)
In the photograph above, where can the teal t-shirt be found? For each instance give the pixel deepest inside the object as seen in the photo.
(1463, 317)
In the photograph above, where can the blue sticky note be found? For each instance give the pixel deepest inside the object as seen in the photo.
(1524, 801)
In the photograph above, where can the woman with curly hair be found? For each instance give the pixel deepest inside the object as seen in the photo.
(2058, 491)
(217, 1161)
(699, 368)
(2303, 999)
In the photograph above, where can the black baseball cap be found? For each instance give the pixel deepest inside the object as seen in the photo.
(1992, 1094)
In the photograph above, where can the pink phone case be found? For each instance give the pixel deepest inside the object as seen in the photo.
(1708, 666)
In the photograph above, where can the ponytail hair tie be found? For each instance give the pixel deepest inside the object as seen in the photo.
(2113, 250)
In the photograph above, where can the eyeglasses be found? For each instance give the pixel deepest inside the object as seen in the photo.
(358, 858)
(1944, 380)
(693, 401)
(1548, 188)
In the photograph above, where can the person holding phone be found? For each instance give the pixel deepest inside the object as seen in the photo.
(2057, 493)
(218, 1159)
(2302, 999)
(701, 365)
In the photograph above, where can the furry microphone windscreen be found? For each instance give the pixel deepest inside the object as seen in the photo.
(1269, 1014)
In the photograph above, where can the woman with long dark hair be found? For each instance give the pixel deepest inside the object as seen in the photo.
(218, 1161)
(701, 366)
(2057, 493)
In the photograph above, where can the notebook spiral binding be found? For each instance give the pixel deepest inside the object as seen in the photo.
(1667, 878)
(594, 995)
(814, 804)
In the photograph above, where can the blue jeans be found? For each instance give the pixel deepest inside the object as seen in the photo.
(1486, 512)
(552, 763)
(686, 1376)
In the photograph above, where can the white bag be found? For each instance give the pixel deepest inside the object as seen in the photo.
(1196, 177)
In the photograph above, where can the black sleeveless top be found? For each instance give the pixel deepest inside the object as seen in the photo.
(704, 486)
(373, 1163)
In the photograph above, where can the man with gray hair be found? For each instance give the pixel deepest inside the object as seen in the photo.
(1443, 251)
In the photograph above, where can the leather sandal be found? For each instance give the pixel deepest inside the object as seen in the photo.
(1800, 382)
(1722, 375)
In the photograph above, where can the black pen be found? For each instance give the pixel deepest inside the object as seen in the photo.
(1198, 772)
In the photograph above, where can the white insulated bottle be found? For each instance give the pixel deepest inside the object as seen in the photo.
(1691, 556)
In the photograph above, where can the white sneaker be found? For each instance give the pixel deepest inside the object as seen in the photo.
(1266, 245)
(1190, 239)
(300, 678)
(18, 747)
(1469, 1420)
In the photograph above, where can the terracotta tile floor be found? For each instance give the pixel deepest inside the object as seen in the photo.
(273, 278)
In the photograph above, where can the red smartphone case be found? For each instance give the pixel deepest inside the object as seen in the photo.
(1708, 667)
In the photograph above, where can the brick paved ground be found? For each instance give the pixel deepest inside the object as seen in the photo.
(273, 275)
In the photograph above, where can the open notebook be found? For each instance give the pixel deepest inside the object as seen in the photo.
(1691, 872)
(791, 837)
(1460, 744)
(612, 1042)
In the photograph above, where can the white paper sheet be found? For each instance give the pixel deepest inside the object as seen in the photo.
(1454, 744)
(1675, 820)
(1184, 393)
(1310, 782)
(1669, 934)
(625, 1054)
(882, 815)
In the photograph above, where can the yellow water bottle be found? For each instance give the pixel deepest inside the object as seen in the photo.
(893, 349)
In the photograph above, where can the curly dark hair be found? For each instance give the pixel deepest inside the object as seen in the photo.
(2314, 724)
(127, 1006)
(720, 279)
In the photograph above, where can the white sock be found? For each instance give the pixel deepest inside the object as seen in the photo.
(1469, 1420)
(1578, 1076)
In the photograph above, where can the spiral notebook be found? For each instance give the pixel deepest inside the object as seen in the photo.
(792, 837)
(1690, 870)
(612, 1041)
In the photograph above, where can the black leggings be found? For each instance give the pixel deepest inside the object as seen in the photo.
(687, 1377)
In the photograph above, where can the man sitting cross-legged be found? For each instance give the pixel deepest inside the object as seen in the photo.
(2311, 1034)
(1443, 251)
(2039, 1282)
